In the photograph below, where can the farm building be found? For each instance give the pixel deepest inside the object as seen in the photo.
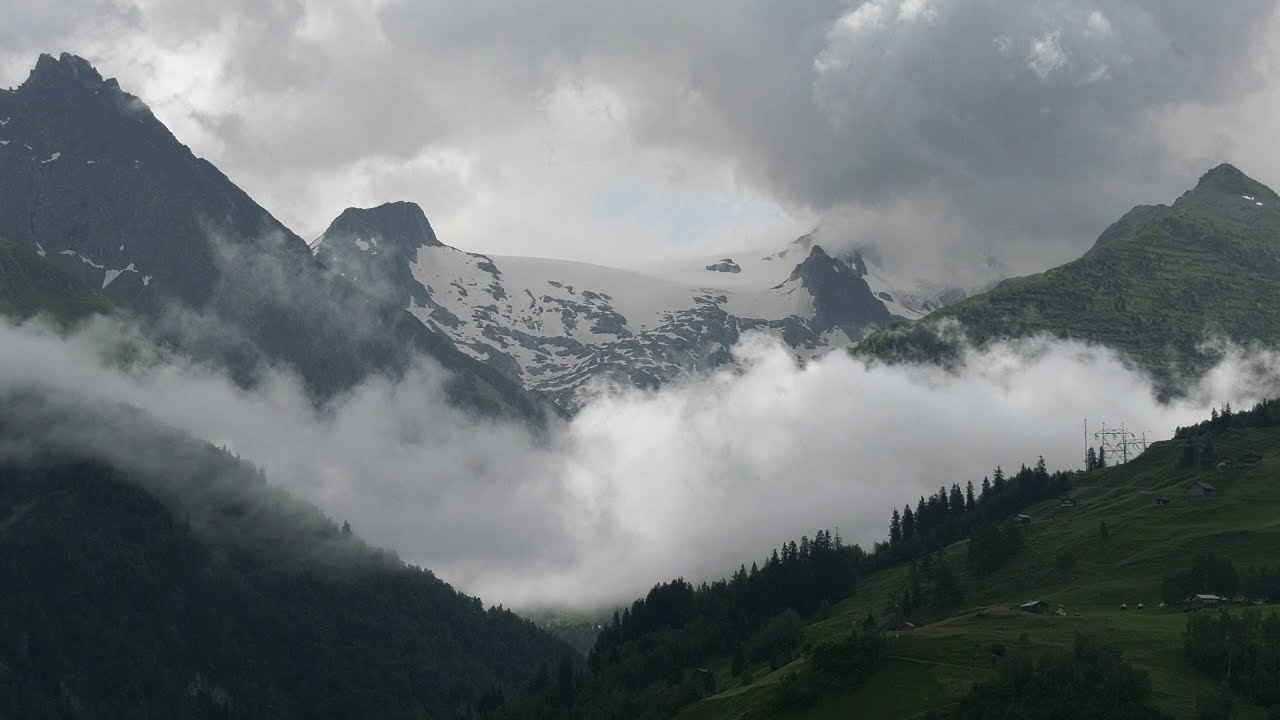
(1023, 519)
(1201, 490)
(1039, 607)
(1067, 502)
(1201, 601)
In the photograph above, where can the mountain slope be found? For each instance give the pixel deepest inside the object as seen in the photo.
(1145, 542)
(1157, 284)
(92, 181)
(149, 575)
(31, 286)
(907, 628)
(556, 325)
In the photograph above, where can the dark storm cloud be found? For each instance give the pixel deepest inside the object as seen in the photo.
(932, 128)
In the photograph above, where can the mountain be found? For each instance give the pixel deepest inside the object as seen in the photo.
(1157, 285)
(954, 615)
(30, 285)
(557, 325)
(148, 574)
(91, 181)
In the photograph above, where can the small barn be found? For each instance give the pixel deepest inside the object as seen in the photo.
(1038, 607)
(1023, 519)
(1201, 602)
(1067, 502)
(1201, 491)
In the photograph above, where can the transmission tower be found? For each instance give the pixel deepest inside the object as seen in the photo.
(1119, 443)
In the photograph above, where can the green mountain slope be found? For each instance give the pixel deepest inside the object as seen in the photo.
(146, 574)
(913, 626)
(30, 286)
(1157, 283)
(931, 667)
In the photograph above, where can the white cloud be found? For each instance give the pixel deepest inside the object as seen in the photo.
(1098, 24)
(641, 486)
(1046, 55)
(912, 10)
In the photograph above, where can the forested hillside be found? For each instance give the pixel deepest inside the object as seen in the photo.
(148, 575)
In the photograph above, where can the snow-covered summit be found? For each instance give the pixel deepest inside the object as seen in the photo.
(557, 325)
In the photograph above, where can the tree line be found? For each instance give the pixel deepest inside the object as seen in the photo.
(1265, 414)
(1240, 649)
(653, 656)
(1209, 574)
(984, 516)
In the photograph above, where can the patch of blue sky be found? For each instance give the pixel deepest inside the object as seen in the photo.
(687, 215)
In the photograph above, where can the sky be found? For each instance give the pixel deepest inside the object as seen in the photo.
(961, 140)
(641, 486)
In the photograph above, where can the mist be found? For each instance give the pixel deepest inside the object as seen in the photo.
(641, 486)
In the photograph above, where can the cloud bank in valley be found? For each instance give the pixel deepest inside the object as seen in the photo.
(639, 487)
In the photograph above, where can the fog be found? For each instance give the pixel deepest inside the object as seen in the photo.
(639, 487)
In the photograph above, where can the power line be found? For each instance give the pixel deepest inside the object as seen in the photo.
(1118, 442)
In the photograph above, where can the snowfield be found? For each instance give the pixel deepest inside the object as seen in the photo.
(559, 326)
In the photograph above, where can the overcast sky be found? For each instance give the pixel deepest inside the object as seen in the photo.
(945, 132)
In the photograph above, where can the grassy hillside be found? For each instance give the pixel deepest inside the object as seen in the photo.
(30, 285)
(931, 667)
(1156, 284)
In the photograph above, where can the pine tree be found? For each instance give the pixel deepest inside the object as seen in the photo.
(908, 523)
(997, 480)
(968, 496)
(1102, 456)
(956, 503)
(1091, 460)
(986, 488)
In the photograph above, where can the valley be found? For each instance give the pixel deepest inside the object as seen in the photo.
(534, 421)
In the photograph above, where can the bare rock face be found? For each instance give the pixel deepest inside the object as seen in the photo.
(726, 265)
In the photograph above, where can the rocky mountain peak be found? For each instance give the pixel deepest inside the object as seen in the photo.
(1227, 182)
(65, 68)
(399, 225)
(841, 297)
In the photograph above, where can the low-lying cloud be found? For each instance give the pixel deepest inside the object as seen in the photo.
(639, 487)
